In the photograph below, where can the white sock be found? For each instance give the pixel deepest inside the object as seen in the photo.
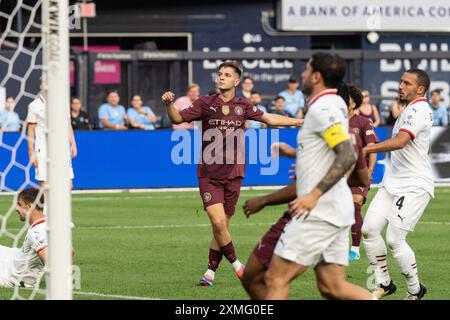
(355, 249)
(236, 265)
(404, 257)
(376, 253)
(210, 274)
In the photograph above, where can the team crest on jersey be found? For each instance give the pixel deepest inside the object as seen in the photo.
(225, 110)
(238, 111)
(206, 196)
(356, 131)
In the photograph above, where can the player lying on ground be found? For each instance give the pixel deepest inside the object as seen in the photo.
(405, 191)
(257, 264)
(222, 115)
(23, 267)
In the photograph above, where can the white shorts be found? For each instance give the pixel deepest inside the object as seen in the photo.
(40, 172)
(402, 210)
(308, 242)
(6, 265)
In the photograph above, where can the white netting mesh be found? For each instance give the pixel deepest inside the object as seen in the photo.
(20, 70)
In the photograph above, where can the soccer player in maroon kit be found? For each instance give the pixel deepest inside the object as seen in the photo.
(223, 116)
(364, 131)
(258, 262)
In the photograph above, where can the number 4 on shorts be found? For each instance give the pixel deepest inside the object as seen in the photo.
(399, 202)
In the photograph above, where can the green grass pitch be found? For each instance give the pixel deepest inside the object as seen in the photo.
(155, 245)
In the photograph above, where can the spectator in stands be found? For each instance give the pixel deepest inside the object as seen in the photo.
(78, 118)
(397, 106)
(9, 119)
(440, 114)
(247, 86)
(295, 101)
(111, 114)
(278, 107)
(369, 110)
(192, 94)
(255, 98)
(141, 117)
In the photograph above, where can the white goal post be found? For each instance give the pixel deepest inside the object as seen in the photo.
(55, 32)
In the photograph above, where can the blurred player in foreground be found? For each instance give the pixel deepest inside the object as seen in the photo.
(323, 211)
(258, 262)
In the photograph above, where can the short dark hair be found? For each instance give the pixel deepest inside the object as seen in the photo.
(248, 78)
(279, 97)
(330, 66)
(255, 92)
(434, 91)
(111, 91)
(422, 78)
(292, 79)
(236, 65)
(356, 94)
(33, 196)
(9, 97)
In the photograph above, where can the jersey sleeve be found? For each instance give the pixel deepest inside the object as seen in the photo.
(31, 116)
(38, 242)
(194, 112)
(103, 112)
(368, 134)
(329, 125)
(414, 121)
(252, 112)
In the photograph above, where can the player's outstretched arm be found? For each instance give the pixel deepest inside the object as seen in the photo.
(256, 204)
(168, 98)
(398, 142)
(272, 119)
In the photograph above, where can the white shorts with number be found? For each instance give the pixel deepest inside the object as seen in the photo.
(6, 265)
(308, 242)
(402, 210)
(41, 169)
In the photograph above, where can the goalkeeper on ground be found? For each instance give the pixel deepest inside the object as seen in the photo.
(22, 267)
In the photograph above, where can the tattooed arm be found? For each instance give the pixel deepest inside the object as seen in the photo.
(345, 159)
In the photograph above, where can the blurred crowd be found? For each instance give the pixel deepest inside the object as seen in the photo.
(112, 115)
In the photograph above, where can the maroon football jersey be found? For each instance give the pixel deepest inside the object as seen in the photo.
(223, 134)
(363, 128)
(360, 162)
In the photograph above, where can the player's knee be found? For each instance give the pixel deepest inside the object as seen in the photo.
(272, 279)
(367, 231)
(393, 240)
(332, 291)
(325, 291)
(219, 224)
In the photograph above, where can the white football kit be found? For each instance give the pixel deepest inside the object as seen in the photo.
(408, 185)
(22, 267)
(323, 235)
(36, 114)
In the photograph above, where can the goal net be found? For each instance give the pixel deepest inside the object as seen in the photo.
(34, 64)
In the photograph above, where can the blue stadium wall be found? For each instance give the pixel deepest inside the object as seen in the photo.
(139, 159)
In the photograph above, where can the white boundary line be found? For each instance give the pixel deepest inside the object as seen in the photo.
(113, 296)
(190, 189)
(204, 225)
